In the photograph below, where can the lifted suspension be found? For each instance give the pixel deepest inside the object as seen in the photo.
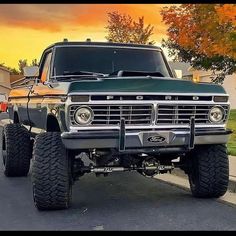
(145, 170)
(109, 169)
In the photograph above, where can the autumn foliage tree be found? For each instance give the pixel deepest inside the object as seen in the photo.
(122, 28)
(204, 35)
(21, 64)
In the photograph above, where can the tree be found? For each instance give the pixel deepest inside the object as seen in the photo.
(21, 64)
(12, 70)
(34, 62)
(123, 29)
(203, 35)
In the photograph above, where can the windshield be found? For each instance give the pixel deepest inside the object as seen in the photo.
(107, 60)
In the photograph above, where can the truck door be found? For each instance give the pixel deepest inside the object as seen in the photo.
(18, 100)
(37, 111)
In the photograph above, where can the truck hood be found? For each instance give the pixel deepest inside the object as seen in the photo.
(145, 85)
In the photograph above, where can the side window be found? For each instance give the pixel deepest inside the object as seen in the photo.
(45, 71)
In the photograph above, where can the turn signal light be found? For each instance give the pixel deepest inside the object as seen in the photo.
(79, 98)
(221, 98)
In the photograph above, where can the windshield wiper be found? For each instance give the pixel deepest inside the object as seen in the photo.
(82, 73)
(123, 73)
(88, 77)
(78, 75)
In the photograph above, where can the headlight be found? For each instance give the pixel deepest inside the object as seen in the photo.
(216, 114)
(84, 115)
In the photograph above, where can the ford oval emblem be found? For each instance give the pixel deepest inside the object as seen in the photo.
(156, 139)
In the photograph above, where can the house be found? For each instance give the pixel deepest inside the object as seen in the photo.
(5, 86)
(183, 67)
(188, 72)
(229, 83)
(16, 80)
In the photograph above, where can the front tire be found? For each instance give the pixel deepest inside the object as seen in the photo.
(16, 150)
(209, 171)
(51, 173)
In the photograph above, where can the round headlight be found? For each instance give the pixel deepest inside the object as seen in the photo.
(84, 115)
(216, 114)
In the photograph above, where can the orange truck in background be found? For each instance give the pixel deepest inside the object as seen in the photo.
(3, 103)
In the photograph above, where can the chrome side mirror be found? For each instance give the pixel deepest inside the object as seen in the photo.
(31, 71)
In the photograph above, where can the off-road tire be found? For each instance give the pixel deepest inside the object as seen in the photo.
(209, 171)
(51, 173)
(16, 150)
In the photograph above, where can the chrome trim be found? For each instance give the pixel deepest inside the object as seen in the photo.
(224, 117)
(111, 114)
(175, 114)
(155, 114)
(138, 140)
(146, 93)
(151, 127)
(211, 139)
(144, 102)
(109, 46)
(51, 67)
(91, 119)
(153, 103)
(133, 139)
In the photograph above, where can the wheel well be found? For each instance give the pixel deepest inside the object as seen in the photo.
(52, 124)
(16, 119)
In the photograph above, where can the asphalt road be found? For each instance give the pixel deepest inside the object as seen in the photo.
(121, 201)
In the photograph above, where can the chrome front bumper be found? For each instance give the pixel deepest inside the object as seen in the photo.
(155, 140)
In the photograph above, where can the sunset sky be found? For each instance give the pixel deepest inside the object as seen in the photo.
(27, 29)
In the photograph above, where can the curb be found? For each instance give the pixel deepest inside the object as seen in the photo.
(231, 186)
(182, 182)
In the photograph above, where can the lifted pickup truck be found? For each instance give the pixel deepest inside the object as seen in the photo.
(121, 107)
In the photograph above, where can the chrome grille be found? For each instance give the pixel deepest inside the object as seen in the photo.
(180, 114)
(111, 114)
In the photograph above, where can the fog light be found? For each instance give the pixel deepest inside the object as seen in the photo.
(216, 114)
(84, 115)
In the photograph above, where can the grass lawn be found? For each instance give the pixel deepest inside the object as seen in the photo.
(232, 125)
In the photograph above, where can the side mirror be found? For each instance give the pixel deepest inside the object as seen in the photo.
(178, 74)
(31, 71)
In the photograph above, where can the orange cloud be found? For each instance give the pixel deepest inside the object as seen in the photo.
(34, 16)
(57, 17)
(37, 25)
(96, 14)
